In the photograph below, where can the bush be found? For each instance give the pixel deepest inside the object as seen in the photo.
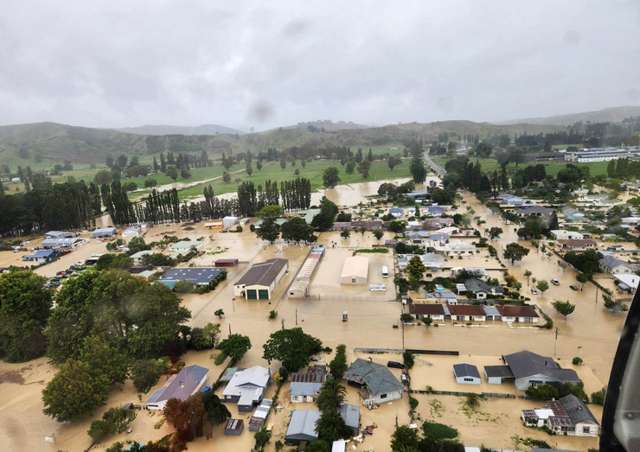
(577, 361)
(406, 318)
(273, 314)
(598, 397)
(407, 358)
(437, 432)
(555, 391)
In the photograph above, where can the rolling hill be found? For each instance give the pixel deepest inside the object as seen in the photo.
(205, 129)
(613, 114)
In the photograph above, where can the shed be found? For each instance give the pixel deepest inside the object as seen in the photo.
(229, 262)
(259, 282)
(103, 232)
(234, 427)
(351, 416)
(302, 426)
(355, 270)
(497, 375)
(466, 374)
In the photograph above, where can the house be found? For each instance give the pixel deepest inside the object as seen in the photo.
(496, 375)
(466, 374)
(433, 224)
(305, 385)
(259, 282)
(491, 312)
(134, 231)
(627, 281)
(247, 387)
(578, 245)
(566, 416)
(180, 386)
(429, 310)
(456, 248)
(378, 383)
(435, 211)
(563, 234)
(611, 264)
(198, 276)
(103, 233)
(480, 289)
(184, 247)
(302, 426)
(467, 313)
(511, 200)
(41, 256)
(530, 369)
(533, 211)
(61, 243)
(355, 270)
(518, 314)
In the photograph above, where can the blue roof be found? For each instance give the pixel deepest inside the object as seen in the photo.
(396, 210)
(181, 385)
(40, 254)
(197, 275)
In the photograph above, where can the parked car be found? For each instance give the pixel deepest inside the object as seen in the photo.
(535, 291)
(395, 364)
(555, 282)
(377, 287)
(575, 287)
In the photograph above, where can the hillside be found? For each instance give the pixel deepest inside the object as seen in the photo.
(205, 129)
(614, 114)
(26, 144)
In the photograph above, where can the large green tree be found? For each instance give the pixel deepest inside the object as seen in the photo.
(330, 177)
(293, 347)
(297, 230)
(269, 230)
(235, 346)
(515, 252)
(24, 310)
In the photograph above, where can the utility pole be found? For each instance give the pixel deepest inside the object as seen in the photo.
(229, 329)
(296, 316)
(555, 344)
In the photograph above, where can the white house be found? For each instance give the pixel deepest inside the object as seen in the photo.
(566, 416)
(380, 385)
(230, 222)
(456, 248)
(611, 264)
(466, 374)
(563, 234)
(246, 387)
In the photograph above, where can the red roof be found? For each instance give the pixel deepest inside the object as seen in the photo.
(426, 309)
(467, 309)
(517, 311)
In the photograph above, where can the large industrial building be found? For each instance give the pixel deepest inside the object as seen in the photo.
(602, 154)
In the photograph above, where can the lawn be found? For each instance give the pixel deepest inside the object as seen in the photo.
(313, 171)
(552, 168)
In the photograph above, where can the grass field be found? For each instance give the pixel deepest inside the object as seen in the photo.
(313, 171)
(552, 168)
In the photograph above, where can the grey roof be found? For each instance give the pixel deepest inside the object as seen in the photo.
(475, 285)
(59, 234)
(529, 210)
(302, 389)
(197, 275)
(180, 386)
(526, 364)
(377, 378)
(351, 415)
(498, 371)
(42, 253)
(611, 261)
(576, 409)
(302, 426)
(466, 370)
(263, 273)
(60, 242)
(491, 311)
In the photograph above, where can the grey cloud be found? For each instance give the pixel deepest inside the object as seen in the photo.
(253, 63)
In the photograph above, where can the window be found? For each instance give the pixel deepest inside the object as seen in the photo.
(383, 396)
(468, 379)
(353, 280)
(586, 429)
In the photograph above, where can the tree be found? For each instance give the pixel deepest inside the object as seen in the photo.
(172, 172)
(293, 347)
(323, 221)
(330, 177)
(415, 270)
(565, 308)
(515, 252)
(405, 439)
(542, 286)
(378, 234)
(112, 261)
(393, 161)
(587, 262)
(350, 167)
(364, 167)
(103, 177)
(235, 346)
(495, 232)
(114, 421)
(219, 313)
(345, 234)
(338, 364)
(146, 372)
(136, 245)
(269, 230)
(297, 230)
(438, 432)
(418, 170)
(397, 226)
(24, 310)
(407, 358)
(331, 426)
(204, 338)
(76, 390)
(262, 438)
(105, 359)
(270, 211)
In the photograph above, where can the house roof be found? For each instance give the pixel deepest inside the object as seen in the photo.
(180, 386)
(498, 371)
(475, 285)
(301, 389)
(466, 370)
(263, 273)
(526, 364)
(491, 311)
(42, 254)
(197, 275)
(466, 309)
(630, 280)
(302, 426)
(357, 266)
(510, 310)
(427, 309)
(312, 374)
(611, 261)
(577, 243)
(59, 234)
(377, 378)
(531, 210)
(576, 409)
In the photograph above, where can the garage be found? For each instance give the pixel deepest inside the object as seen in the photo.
(251, 294)
(263, 294)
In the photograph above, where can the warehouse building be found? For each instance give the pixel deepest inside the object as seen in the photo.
(355, 270)
(259, 282)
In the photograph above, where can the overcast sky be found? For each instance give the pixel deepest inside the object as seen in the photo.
(265, 64)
